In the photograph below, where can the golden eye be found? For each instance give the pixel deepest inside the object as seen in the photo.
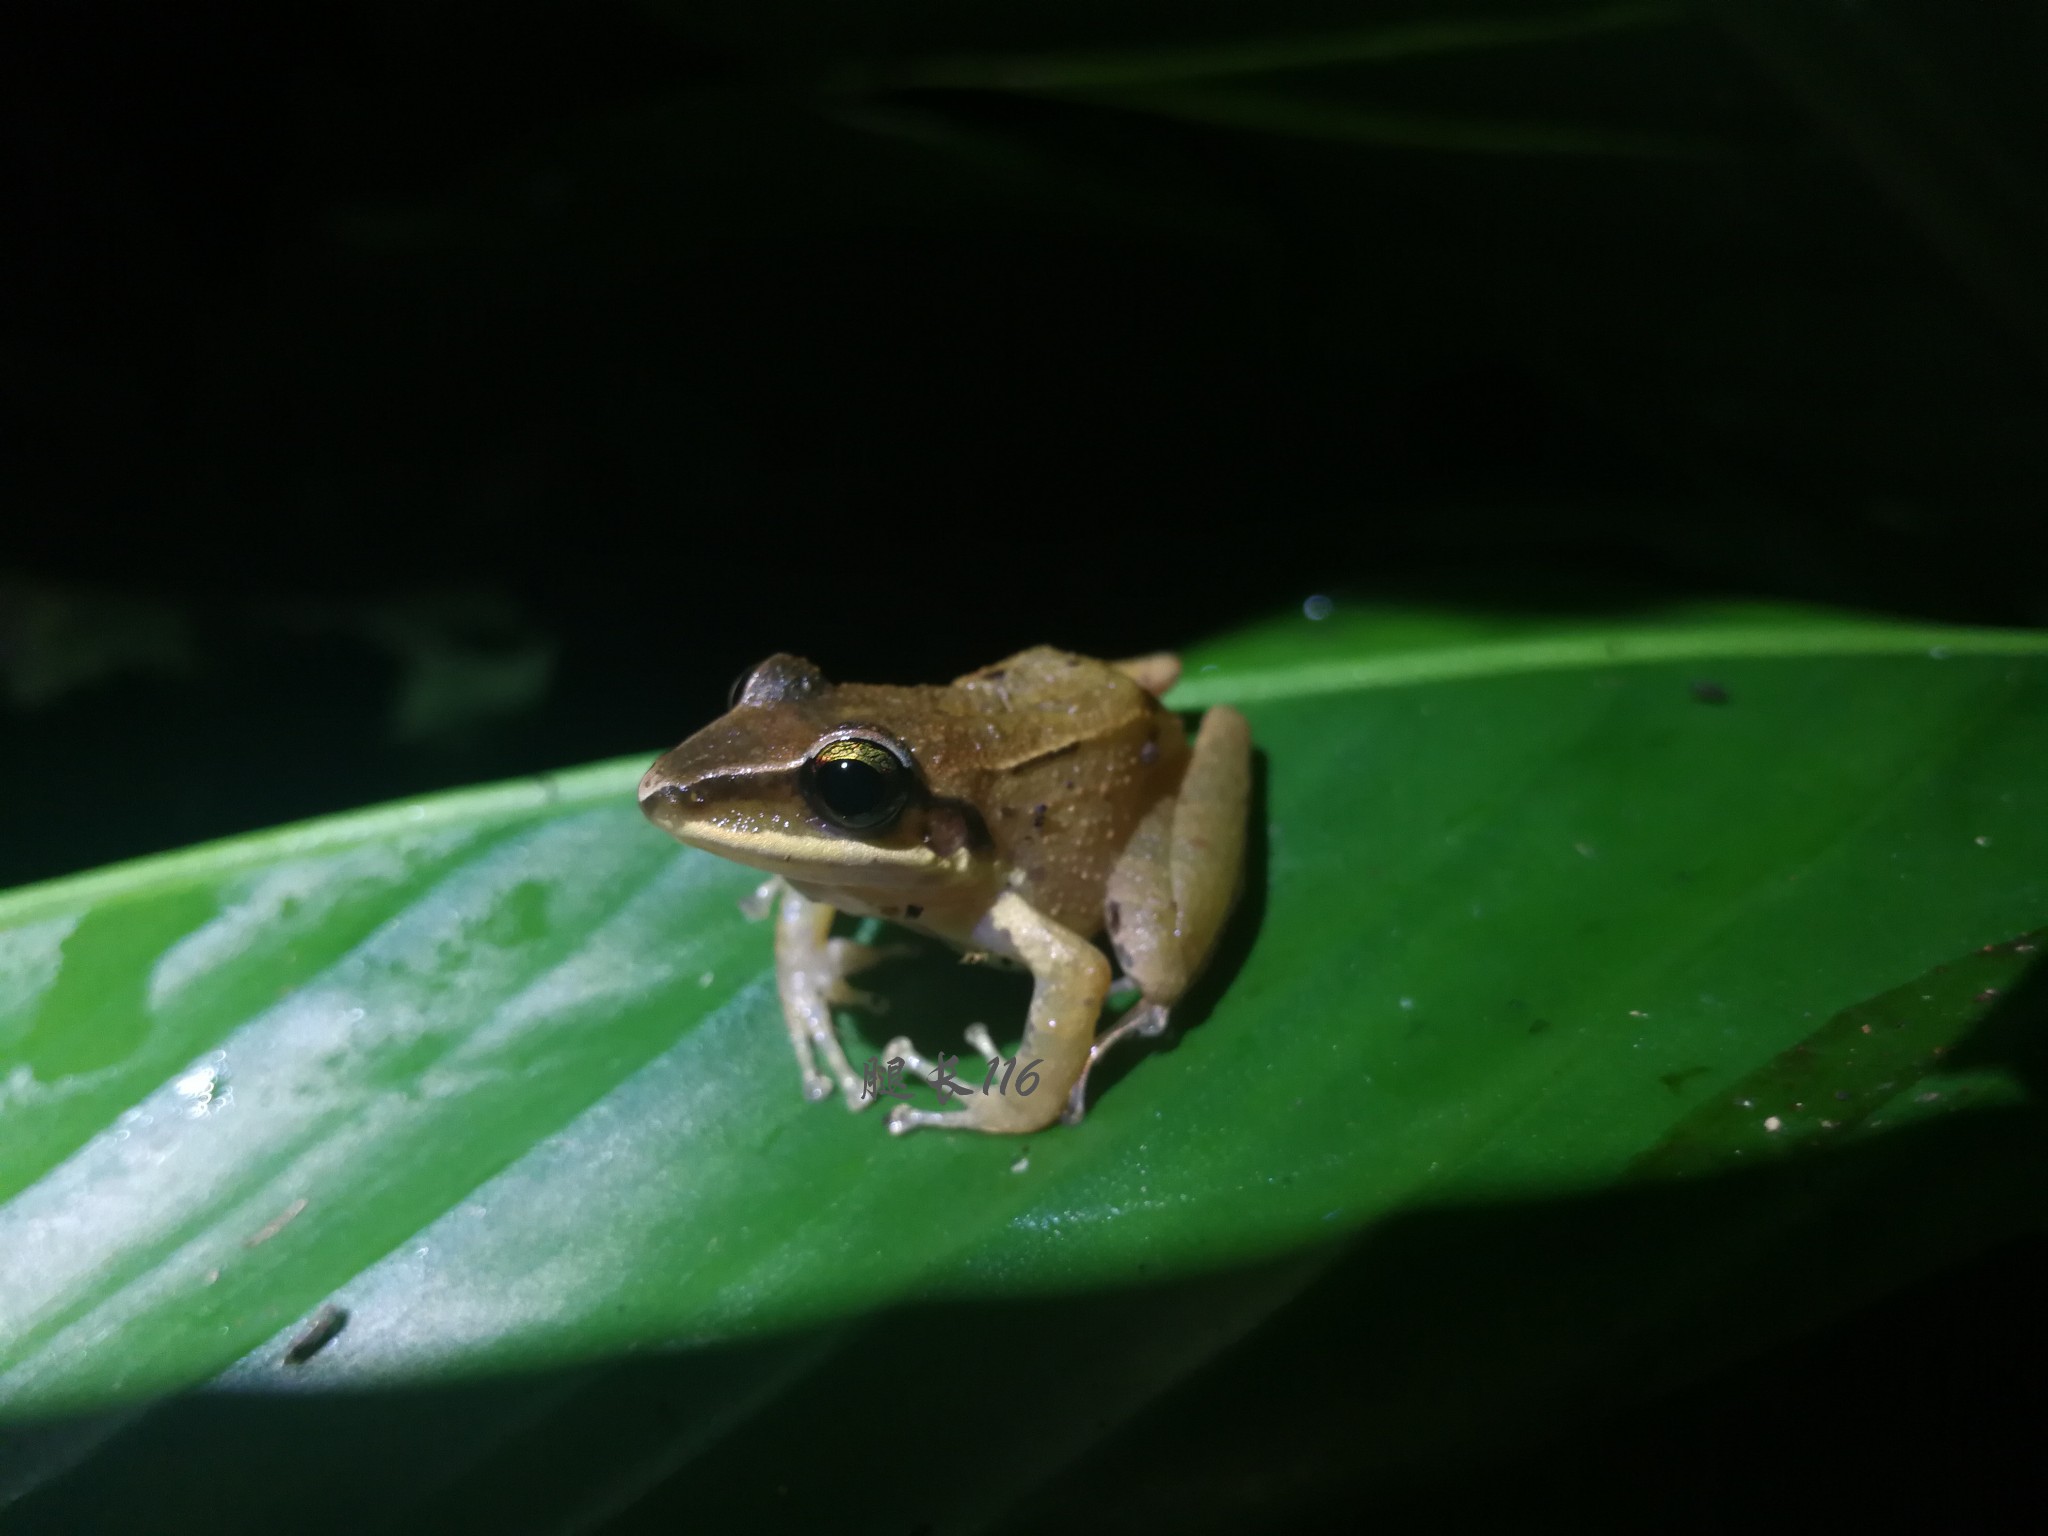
(857, 784)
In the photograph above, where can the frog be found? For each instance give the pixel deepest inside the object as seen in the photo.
(1020, 814)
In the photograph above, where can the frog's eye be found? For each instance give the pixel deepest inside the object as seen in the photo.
(857, 784)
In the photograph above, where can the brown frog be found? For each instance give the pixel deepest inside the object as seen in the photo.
(1017, 813)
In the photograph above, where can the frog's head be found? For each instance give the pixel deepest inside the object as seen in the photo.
(811, 781)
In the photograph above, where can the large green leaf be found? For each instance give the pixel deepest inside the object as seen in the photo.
(1547, 918)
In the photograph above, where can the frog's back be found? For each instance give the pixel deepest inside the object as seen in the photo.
(1079, 754)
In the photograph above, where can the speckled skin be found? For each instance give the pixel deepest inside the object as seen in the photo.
(1046, 808)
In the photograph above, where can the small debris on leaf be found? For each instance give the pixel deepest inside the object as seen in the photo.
(278, 1224)
(317, 1335)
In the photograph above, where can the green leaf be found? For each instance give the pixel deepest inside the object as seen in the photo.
(1717, 917)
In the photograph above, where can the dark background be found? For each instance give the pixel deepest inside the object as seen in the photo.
(398, 396)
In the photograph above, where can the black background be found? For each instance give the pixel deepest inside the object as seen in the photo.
(399, 396)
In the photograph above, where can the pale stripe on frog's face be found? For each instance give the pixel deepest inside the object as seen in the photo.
(810, 854)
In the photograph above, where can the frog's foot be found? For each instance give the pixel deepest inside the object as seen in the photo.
(1147, 1021)
(811, 969)
(842, 958)
(905, 1118)
(996, 1113)
(900, 1049)
(982, 1111)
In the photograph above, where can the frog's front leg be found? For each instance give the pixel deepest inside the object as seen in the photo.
(1176, 881)
(811, 968)
(1069, 978)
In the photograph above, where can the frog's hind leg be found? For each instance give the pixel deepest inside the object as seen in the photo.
(1172, 890)
(811, 968)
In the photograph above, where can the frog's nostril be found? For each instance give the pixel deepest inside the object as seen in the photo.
(663, 796)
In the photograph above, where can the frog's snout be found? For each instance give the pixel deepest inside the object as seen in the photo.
(667, 797)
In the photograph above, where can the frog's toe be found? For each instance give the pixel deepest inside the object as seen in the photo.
(1076, 1108)
(1147, 1021)
(819, 1086)
(973, 1115)
(905, 1118)
(758, 902)
(855, 1093)
(900, 1049)
(996, 1115)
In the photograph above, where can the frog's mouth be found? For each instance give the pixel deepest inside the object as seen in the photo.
(779, 845)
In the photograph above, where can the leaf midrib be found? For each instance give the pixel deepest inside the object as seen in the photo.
(1621, 647)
